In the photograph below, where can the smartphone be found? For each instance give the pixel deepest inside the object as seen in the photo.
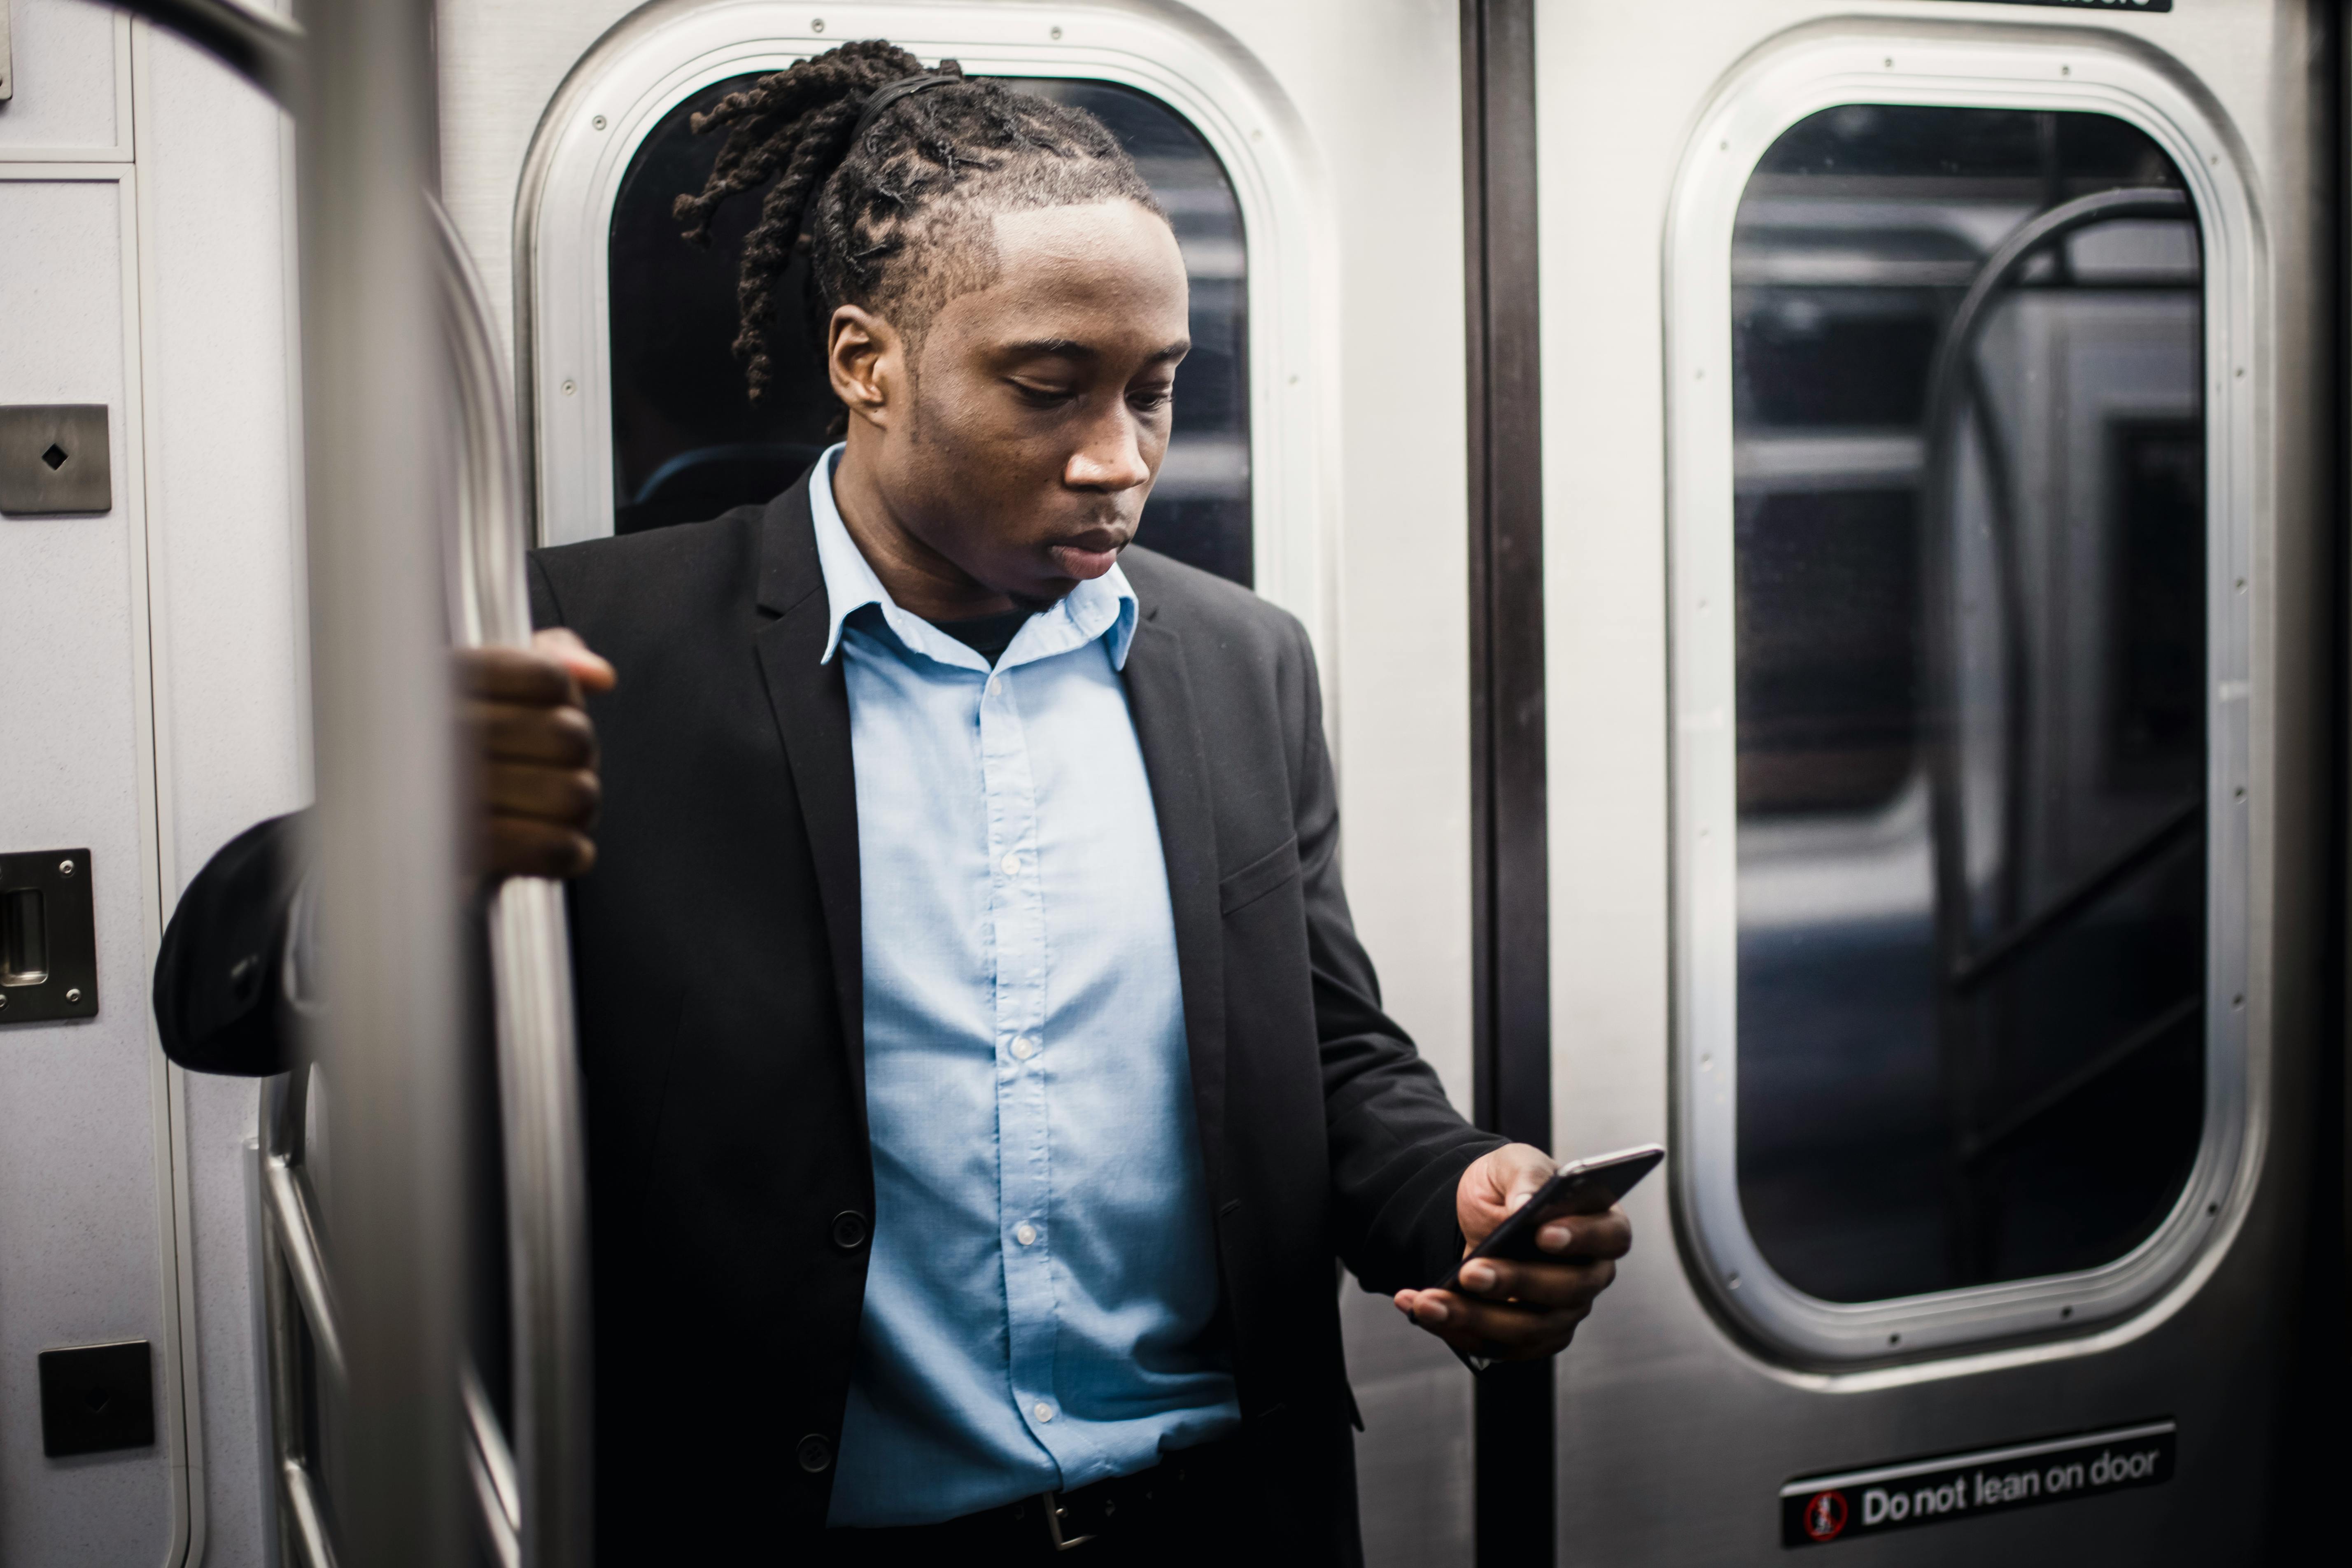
(1581, 1186)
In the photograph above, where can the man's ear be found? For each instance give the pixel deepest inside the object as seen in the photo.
(866, 360)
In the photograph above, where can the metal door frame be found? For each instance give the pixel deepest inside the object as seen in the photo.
(1820, 68)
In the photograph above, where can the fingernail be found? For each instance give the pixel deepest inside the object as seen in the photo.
(1430, 1313)
(1517, 1201)
(1479, 1276)
(1555, 1238)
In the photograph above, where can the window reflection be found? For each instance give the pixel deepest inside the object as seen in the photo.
(1969, 559)
(687, 445)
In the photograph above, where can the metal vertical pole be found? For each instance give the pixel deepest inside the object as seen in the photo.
(1510, 886)
(390, 913)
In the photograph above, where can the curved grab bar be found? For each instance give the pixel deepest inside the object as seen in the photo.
(531, 966)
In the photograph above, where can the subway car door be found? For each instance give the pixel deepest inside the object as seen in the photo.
(1310, 158)
(1936, 523)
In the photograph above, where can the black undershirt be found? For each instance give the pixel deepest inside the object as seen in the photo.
(987, 636)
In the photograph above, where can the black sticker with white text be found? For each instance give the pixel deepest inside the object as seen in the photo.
(2095, 5)
(1816, 1509)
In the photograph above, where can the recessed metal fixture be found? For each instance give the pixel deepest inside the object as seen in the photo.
(48, 938)
(54, 460)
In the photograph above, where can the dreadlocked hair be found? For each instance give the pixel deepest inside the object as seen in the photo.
(895, 225)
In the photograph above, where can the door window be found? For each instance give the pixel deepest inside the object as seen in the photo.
(688, 445)
(1969, 585)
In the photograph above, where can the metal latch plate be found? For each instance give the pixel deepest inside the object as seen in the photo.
(49, 937)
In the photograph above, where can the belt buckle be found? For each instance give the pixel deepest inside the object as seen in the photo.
(1052, 1502)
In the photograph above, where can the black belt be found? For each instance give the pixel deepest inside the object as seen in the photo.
(1175, 1489)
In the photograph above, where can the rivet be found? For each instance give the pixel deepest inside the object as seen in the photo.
(2065, 1311)
(2212, 1208)
(65, 868)
(1888, 62)
(2242, 373)
(74, 995)
(816, 25)
(2065, 71)
(1894, 1338)
(1731, 1282)
(2239, 793)
(1057, 34)
(569, 388)
(2239, 1001)
(598, 123)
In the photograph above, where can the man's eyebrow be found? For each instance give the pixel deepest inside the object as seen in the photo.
(1071, 348)
(1057, 348)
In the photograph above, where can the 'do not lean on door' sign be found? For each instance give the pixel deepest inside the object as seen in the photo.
(1818, 1510)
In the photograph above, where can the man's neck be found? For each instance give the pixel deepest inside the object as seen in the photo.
(917, 578)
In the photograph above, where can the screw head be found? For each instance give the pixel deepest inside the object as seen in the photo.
(569, 388)
(74, 995)
(65, 868)
(1057, 34)
(816, 25)
(598, 123)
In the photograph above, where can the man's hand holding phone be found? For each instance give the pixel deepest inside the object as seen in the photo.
(1501, 1308)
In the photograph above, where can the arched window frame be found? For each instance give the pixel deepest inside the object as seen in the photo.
(2001, 68)
(666, 52)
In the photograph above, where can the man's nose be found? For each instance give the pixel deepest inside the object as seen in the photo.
(1111, 459)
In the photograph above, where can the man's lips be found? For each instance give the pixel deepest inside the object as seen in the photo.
(1087, 557)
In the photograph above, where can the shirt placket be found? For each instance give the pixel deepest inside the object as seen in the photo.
(1025, 1160)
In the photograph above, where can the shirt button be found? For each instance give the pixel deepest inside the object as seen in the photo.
(815, 1453)
(1024, 1048)
(849, 1230)
(1024, 1233)
(1012, 865)
(1044, 1412)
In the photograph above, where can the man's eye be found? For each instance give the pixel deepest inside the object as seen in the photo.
(1040, 395)
(1152, 398)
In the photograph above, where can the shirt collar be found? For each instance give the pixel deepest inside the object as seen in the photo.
(1105, 607)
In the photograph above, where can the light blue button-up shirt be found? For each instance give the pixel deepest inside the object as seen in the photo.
(1042, 1278)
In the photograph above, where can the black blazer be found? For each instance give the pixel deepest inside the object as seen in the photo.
(716, 950)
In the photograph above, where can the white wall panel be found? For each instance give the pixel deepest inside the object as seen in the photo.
(72, 70)
(229, 655)
(79, 1229)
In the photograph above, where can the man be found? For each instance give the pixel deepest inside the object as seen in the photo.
(982, 1074)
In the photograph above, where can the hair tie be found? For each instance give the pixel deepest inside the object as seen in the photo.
(890, 93)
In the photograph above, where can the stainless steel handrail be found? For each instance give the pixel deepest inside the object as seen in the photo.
(498, 1489)
(533, 1496)
(530, 966)
(295, 1298)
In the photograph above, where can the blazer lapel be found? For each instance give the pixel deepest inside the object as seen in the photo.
(810, 702)
(1159, 698)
